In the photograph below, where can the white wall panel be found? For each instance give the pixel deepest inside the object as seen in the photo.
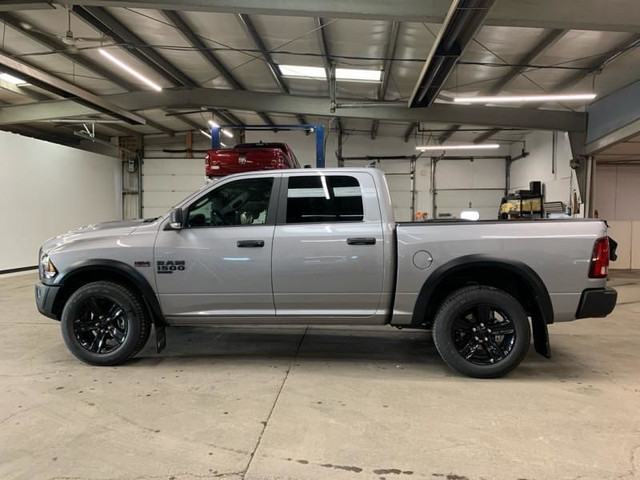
(605, 190)
(635, 245)
(47, 189)
(617, 195)
(558, 183)
(622, 233)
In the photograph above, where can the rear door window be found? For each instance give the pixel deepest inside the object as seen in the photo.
(323, 199)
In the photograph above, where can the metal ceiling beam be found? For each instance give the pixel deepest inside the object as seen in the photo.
(252, 32)
(431, 11)
(187, 32)
(25, 90)
(41, 134)
(78, 59)
(65, 89)
(630, 43)
(12, 5)
(306, 105)
(323, 44)
(390, 53)
(107, 24)
(464, 19)
(528, 58)
(63, 50)
(619, 16)
(410, 130)
(486, 135)
(614, 16)
(447, 135)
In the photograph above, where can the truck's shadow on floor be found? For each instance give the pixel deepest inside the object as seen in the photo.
(384, 348)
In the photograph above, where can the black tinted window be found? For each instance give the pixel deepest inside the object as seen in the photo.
(324, 199)
(243, 202)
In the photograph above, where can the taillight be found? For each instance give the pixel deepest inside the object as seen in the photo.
(600, 259)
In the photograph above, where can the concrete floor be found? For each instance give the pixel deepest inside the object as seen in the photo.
(317, 404)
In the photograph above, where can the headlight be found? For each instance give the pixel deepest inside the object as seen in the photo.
(47, 268)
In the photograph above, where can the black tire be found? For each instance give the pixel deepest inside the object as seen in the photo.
(481, 332)
(105, 323)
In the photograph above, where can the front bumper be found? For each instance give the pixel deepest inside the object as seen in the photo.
(45, 298)
(598, 302)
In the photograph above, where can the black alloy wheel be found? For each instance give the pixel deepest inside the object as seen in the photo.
(100, 325)
(484, 335)
(105, 323)
(482, 332)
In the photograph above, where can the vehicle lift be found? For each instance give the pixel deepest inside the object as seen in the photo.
(318, 130)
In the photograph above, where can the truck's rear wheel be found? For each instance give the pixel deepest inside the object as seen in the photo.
(482, 332)
(104, 323)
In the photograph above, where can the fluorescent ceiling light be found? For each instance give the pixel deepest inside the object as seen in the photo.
(526, 98)
(130, 70)
(300, 71)
(11, 79)
(358, 75)
(223, 130)
(319, 73)
(471, 146)
(205, 133)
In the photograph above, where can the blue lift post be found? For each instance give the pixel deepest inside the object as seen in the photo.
(317, 129)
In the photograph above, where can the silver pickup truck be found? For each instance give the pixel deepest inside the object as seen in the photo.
(321, 247)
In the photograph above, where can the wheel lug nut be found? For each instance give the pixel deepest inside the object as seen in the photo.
(477, 338)
(486, 339)
(473, 329)
(489, 330)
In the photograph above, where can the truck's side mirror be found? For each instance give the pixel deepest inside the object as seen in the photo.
(175, 219)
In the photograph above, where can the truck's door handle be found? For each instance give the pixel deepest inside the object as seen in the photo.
(361, 241)
(250, 243)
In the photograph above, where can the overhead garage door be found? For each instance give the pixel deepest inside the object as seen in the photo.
(167, 181)
(400, 180)
(469, 185)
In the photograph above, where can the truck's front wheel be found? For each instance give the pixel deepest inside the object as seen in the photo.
(482, 332)
(104, 323)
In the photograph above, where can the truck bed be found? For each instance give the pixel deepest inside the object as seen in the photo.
(558, 251)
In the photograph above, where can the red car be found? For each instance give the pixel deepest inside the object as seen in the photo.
(247, 157)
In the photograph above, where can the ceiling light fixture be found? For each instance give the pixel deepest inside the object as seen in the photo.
(342, 74)
(526, 98)
(205, 133)
(11, 79)
(471, 146)
(130, 70)
(223, 130)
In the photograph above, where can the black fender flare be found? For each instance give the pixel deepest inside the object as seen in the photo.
(120, 268)
(540, 319)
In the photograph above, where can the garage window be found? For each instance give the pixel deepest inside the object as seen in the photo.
(324, 198)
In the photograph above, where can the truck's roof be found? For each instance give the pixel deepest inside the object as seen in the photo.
(374, 171)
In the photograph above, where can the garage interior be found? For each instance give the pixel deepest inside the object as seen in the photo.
(106, 113)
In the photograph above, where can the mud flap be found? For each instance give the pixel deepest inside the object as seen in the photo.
(161, 337)
(541, 337)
